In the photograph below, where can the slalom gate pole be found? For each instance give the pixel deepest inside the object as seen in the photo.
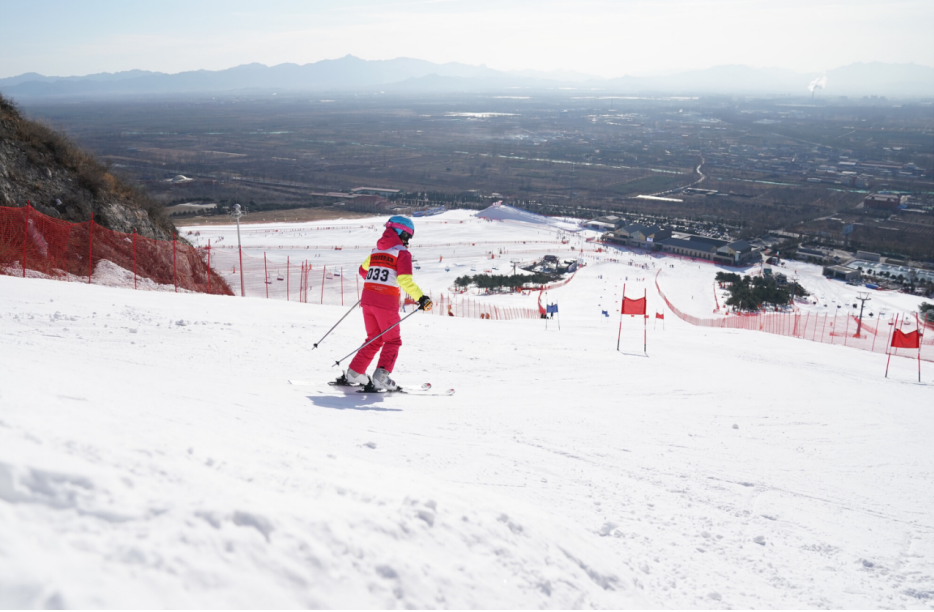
(335, 325)
(265, 275)
(134, 262)
(240, 252)
(622, 304)
(324, 272)
(370, 341)
(888, 348)
(209, 262)
(918, 323)
(645, 326)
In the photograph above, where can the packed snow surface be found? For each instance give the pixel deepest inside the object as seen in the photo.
(153, 453)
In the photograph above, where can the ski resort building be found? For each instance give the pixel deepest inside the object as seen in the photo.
(841, 273)
(698, 247)
(812, 254)
(640, 236)
(737, 253)
(599, 226)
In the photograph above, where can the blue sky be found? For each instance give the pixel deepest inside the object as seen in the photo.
(599, 37)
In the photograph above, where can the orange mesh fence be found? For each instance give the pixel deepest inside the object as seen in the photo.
(337, 285)
(842, 329)
(446, 305)
(35, 245)
(426, 245)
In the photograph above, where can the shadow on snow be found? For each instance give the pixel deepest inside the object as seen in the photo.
(351, 401)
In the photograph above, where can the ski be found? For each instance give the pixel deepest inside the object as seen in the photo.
(424, 389)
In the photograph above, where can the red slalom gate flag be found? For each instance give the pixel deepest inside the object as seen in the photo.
(633, 307)
(911, 340)
(659, 315)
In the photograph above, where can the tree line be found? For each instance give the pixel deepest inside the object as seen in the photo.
(501, 281)
(752, 293)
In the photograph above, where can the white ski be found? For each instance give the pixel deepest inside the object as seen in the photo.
(424, 389)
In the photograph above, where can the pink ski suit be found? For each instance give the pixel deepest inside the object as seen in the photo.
(388, 268)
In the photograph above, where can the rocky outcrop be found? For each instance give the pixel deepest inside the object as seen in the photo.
(43, 167)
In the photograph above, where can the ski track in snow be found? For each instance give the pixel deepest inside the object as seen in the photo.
(153, 454)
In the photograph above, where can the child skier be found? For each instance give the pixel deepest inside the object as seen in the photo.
(385, 270)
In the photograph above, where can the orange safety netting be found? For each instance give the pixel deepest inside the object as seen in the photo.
(843, 329)
(36, 245)
(454, 306)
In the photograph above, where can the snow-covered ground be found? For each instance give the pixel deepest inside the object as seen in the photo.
(152, 453)
(444, 248)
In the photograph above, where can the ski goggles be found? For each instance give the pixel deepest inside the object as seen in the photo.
(399, 226)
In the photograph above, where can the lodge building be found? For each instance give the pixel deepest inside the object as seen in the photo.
(737, 253)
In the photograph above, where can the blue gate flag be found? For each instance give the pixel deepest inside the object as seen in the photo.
(605, 313)
(551, 308)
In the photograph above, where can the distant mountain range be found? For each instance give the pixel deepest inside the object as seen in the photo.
(351, 73)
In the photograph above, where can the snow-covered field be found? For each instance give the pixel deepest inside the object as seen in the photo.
(152, 452)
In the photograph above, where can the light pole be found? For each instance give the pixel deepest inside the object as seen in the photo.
(863, 297)
(237, 213)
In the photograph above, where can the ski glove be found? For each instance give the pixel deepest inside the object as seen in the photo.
(424, 303)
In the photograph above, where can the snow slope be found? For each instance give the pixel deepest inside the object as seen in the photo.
(153, 454)
(504, 212)
(445, 246)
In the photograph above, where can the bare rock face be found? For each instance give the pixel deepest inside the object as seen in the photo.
(121, 218)
(47, 170)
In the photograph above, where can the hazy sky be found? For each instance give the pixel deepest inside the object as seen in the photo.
(603, 38)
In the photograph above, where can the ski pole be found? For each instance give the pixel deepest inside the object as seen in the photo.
(335, 325)
(368, 342)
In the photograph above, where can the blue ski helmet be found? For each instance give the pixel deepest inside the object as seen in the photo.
(401, 224)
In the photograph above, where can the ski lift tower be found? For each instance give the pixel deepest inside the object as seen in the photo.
(863, 297)
(514, 262)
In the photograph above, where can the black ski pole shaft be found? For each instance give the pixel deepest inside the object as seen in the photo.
(335, 326)
(373, 339)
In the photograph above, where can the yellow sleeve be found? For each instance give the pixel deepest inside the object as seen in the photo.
(406, 282)
(365, 266)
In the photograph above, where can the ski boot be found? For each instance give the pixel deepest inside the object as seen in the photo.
(351, 379)
(381, 382)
